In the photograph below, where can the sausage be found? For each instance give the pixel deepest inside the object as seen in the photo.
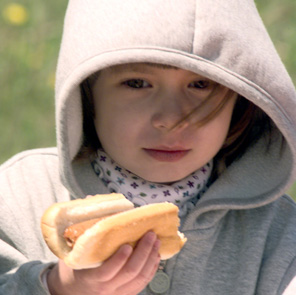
(74, 231)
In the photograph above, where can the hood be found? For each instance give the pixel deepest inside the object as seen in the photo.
(225, 41)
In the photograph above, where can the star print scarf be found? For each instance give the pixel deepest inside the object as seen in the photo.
(184, 193)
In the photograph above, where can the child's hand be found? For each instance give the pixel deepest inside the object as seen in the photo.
(127, 272)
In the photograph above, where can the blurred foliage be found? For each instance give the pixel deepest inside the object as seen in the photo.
(279, 17)
(30, 37)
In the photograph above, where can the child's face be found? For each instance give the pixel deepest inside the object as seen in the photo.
(136, 109)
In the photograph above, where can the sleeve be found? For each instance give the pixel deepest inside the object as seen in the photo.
(28, 185)
(44, 278)
(18, 275)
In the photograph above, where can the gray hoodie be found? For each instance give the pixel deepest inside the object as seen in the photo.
(242, 234)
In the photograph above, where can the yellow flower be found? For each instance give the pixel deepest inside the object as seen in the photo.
(15, 14)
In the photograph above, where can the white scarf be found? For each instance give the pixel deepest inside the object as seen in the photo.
(184, 193)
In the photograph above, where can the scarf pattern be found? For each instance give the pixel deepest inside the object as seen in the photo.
(184, 193)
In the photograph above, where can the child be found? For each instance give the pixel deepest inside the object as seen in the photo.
(179, 101)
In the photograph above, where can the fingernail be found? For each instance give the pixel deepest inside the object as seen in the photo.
(151, 236)
(157, 244)
(127, 249)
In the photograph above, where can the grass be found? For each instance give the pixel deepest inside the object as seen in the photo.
(31, 34)
(28, 57)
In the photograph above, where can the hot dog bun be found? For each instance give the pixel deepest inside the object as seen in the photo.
(102, 239)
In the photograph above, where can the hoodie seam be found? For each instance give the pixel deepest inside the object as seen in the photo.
(193, 57)
(194, 28)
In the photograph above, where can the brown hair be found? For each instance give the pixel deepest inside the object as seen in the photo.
(248, 123)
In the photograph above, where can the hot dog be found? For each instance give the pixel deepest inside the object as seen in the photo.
(86, 232)
(73, 232)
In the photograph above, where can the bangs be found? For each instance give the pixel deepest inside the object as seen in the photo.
(208, 109)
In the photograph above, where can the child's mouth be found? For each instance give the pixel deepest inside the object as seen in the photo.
(168, 155)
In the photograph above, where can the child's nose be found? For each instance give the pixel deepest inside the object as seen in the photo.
(170, 110)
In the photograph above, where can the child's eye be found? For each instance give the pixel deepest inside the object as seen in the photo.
(201, 84)
(136, 83)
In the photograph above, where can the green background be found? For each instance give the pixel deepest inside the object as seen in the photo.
(28, 56)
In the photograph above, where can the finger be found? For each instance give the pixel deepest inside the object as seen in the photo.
(154, 268)
(147, 249)
(146, 274)
(114, 264)
(140, 255)
(150, 267)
